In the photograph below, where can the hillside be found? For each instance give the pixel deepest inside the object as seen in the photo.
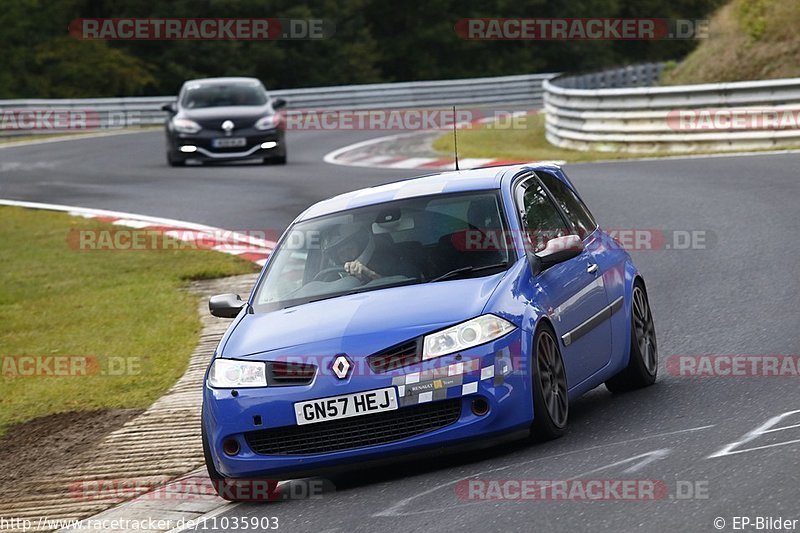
(749, 40)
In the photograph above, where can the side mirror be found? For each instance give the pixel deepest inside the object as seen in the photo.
(557, 251)
(169, 108)
(225, 305)
(278, 103)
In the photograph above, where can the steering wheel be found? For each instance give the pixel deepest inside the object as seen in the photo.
(331, 270)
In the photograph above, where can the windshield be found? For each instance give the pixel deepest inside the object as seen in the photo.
(410, 241)
(202, 96)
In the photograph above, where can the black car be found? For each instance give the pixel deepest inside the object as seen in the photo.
(225, 119)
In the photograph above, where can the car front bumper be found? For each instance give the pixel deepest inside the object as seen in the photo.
(258, 144)
(496, 372)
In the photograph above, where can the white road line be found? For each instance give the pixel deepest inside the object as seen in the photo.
(395, 510)
(766, 427)
(73, 137)
(336, 157)
(473, 162)
(412, 162)
(194, 523)
(198, 521)
(333, 157)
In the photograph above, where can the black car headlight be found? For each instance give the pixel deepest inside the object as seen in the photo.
(184, 125)
(267, 123)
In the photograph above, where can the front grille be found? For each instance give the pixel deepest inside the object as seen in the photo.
(284, 373)
(397, 356)
(367, 430)
(215, 124)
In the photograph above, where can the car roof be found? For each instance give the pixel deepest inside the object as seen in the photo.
(441, 183)
(222, 81)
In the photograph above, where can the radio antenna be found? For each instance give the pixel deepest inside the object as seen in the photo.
(455, 137)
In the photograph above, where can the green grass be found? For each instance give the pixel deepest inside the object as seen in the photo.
(521, 141)
(112, 306)
(525, 141)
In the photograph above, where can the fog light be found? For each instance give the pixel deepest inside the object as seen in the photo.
(269, 144)
(480, 406)
(188, 149)
(230, 446)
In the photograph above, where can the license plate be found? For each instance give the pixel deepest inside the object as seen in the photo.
(346, 406)
(229, 142)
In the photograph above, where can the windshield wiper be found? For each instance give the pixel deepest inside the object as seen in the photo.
(331, 295)
(357, 291)
(465, 270)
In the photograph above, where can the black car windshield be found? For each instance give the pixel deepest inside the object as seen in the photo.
(410, 241)
(219, 95)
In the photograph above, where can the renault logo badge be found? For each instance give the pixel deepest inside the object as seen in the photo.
(341, 366)
(227, 126)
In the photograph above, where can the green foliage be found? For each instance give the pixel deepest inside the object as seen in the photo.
(109, 71)
(751, 15)
(374, 41)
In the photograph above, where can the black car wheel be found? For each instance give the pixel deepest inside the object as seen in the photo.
(643, 366)
(550, 399)
(175, 162)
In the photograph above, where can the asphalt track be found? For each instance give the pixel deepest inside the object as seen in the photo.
(739, 295)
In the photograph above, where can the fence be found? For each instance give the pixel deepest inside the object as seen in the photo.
(21, 116)
(620, 110)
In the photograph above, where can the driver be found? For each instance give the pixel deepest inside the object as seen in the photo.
(354, 248)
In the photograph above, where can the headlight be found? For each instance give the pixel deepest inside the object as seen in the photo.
(268, 122)
(229, 374)
(465, 335)
(184, 125)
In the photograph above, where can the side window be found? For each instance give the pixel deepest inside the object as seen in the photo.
(575, 210)
(540, 217)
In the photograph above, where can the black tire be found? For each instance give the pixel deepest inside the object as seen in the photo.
(175, 162)
(550, 391)
(642, 368)
(228, 489)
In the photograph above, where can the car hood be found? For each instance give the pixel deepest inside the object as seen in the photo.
(361, 323)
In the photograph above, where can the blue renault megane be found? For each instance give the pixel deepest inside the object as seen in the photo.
(454, 310)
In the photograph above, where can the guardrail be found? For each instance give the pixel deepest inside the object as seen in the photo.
(604, 112)
(89, 114)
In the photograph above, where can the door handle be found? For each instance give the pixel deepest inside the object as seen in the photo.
(592, 268)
